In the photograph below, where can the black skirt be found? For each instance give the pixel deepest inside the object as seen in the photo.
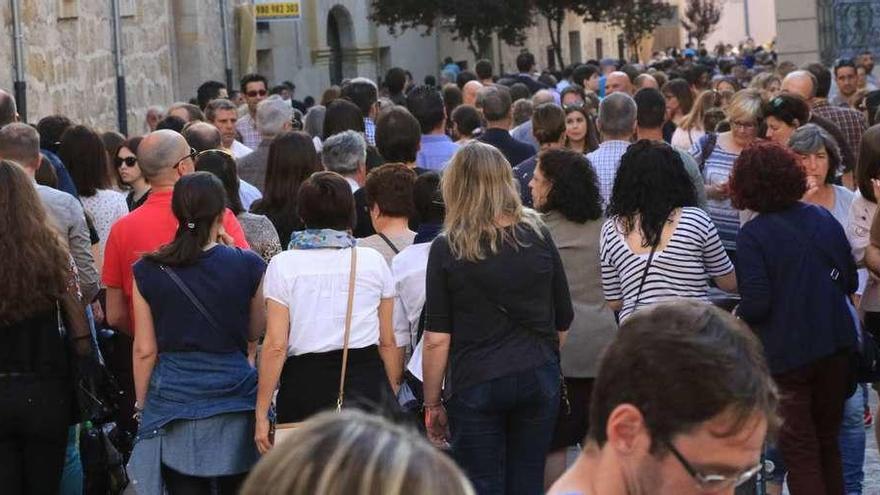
(571, 427)
(310, 384)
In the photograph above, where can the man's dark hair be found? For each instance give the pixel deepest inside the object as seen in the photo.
(279, 90)
(483, 68)
(650, 108)
(7, 109)
(249, 78)
(430, 81)
(395, 80)
(363, 93)
(209, 90)
(518, 91)
(342, 115)
(844, 62)
(51, 128)
(548, 123)
(495, 102)
(390, 186)
(202, 136)
(426, 105)
(428, 199)
(823, 78)
(681, 364)
(693, 75)
(525, 61)
(582, 73)
(467, 119)
(171, 122)
(325, 202)
(464, 77)
(631, 72)
(398, 135)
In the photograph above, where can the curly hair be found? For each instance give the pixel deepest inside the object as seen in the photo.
(766, 178)
(391, 188)
(575, 188)
(35, 266)
(651, 182)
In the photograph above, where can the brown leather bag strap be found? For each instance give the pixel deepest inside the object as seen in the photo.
(348, 310)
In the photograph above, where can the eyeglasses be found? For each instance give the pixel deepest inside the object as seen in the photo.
(223, 153)
(192, 156)
(257, 92)
(714, 482)
(746, 126)
(129, 161)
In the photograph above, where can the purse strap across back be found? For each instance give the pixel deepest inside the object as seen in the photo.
(348, 310)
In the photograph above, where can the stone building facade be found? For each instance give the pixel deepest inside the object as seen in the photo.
(811, 30)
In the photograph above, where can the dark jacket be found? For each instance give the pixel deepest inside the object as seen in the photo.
(786, 264)
(523, 173)
(515, 151)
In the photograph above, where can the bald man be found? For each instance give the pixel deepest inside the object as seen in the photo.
(801, 83)
(618, 82)
(469, 92)
(645, 81)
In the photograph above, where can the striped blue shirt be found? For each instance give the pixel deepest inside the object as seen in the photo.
(716, 170)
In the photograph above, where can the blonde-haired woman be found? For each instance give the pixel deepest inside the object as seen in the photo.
(497, 306)
(690, 129)
(354, 453)
(715, 154)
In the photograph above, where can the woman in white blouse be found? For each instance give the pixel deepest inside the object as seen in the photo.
(306, 291)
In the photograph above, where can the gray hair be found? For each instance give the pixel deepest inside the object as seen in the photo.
(344, 152)
(216, 105)
(314, 121)
(810, 138)
(617, 115)
(543, 96)
(20, 143)
(272, 114)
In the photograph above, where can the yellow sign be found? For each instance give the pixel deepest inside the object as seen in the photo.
(274, 10)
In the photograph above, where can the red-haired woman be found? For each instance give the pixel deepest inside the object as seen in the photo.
(796, 274)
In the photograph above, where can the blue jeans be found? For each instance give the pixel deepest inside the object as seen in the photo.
(72, 476)
(852, 442)
(501, 430)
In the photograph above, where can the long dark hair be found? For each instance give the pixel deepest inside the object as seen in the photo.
(198, 200)
(292, 160)
(222, 164)
(651, 182)
(84, 155)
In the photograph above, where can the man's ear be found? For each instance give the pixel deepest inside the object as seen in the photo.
(626, 430)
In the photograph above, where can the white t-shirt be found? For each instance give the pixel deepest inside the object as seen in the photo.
(409, 270)
(313, 284)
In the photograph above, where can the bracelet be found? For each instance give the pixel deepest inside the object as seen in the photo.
(434, 405)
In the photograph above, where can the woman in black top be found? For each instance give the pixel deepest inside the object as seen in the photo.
(40, 294)
(292, 160)
(497, 306)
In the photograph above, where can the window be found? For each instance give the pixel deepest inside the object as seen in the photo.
(599, 51)
(574, 46)
(551, 57)
(621, 48)
(127, 8)
(68, 9)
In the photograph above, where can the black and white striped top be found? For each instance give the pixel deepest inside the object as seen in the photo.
(682, 269)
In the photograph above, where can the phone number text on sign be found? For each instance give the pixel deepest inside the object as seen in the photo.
(277, 10)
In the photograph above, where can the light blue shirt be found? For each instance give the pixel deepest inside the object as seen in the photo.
(435, 152)
(248, 194)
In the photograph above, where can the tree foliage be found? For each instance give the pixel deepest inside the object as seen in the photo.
(637, 19)
(701, 17)
(473, 21)
(554, 11)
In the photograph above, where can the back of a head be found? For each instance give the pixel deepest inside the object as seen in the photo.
(398, 135)
(353, 453)
(467, 119)
(767, 177)
(574, 192)
(209, 90)
(395, 80)
(582, 73)
(202, 136)
(518, 91)
(51, 128)
(20, 143)
(525, 62)
(272, 115)
(159, 151)
(171, 123)
(522, 111)
(789, 108)
(617, 116)
(651, 364)
(428, 199)
(83, 153)
(363, 93)
(390, 187)
(548, 123)
(193, 113)
(495, 103)
(292, 159)
(314, 121)
(651, 107)
(342, 115)
(543, 96)
(8, 111)
(222, 164)
(483, 68)
(425, 103)
(464, 77)
(325, 201)
(344, 152)
(823, 78)
(868, 167)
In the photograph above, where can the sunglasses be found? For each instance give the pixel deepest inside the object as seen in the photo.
(256, 93)
(129, 161)
(192, 156)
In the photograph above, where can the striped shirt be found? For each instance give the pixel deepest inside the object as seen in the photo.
(716, 171)
(682, 269)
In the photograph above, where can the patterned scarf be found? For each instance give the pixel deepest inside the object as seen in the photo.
(321, 239)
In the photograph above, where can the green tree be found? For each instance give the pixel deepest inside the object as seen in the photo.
(701, 17)
(473, 21)
(637, 19)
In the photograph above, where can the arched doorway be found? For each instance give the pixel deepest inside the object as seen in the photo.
(340, 40)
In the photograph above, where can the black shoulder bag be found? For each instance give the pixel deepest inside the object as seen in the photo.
(388, 241)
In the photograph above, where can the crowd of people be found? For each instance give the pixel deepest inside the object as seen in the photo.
(501, 267)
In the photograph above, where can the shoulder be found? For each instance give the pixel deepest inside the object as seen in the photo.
(692, 213)
(370, 255)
